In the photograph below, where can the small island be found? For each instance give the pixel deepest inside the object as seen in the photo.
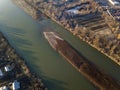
(14, 71)
(89, 20)
(99, 78)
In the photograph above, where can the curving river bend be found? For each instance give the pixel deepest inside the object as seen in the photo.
(25, 35)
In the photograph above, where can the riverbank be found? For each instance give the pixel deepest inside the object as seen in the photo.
(14, 70)
(101, 35)
(99, 78)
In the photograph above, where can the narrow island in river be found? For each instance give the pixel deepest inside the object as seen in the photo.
(86, 19)
(99, 78)
(15, 74)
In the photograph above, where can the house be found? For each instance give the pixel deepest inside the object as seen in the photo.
(1, 73)
(8, 68)
(114, 2)
(4, 88)
(16, 85)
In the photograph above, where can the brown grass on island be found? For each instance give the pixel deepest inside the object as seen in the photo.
(99, 78)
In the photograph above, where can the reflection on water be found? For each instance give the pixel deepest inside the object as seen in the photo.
(56, 72)
(25, 35)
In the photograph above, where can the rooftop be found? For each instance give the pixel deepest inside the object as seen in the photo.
(16, 85)
(1, 73)
(114, 2)
(4, 88)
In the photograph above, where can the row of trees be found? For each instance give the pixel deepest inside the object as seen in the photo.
(107, 43)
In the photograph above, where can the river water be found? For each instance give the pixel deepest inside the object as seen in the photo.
(25, 35)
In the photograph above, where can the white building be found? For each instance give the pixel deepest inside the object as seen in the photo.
(114, 2)
(1, 73)
(16, 85)
(4, 88)
(8, 68)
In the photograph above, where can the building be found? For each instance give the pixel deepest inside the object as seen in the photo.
(16, 85)
(4, 88)
(114, 2)
(114, 13)
(1, 73)
(8, 68)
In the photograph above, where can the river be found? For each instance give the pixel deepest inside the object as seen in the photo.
(25, 35)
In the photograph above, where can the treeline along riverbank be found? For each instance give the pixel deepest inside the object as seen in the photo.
(85, 19)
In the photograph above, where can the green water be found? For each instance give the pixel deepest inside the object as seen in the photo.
(25, 35)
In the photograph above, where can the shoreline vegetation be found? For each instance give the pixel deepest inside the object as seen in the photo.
(99, 78)
(15, 71)
(90, 22)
